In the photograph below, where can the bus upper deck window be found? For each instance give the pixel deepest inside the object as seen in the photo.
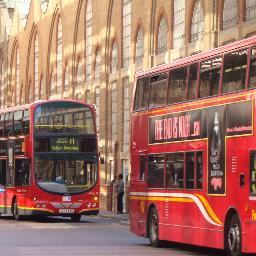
(142, 94)
(177, 85)
(25, 122)
(252, 74)
(209, 77)
(158, 90)
(8, 124)
(17, 127)
(234, 71)
(192, 82)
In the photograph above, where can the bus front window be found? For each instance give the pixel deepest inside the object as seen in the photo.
(65, 176)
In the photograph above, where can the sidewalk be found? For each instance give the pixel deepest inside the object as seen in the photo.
(108, 214)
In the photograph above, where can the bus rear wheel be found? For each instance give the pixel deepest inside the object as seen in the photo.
(75, 218)
(234, 237)
(153, 228)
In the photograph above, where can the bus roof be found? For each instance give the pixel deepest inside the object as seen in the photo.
(198, 57)
(38, 102)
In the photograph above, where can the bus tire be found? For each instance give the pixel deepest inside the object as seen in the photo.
(233, 237)
(75, 217)
(16, 215)
(153, 228)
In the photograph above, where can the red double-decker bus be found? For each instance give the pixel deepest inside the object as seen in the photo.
(49, 160)
(193, 150)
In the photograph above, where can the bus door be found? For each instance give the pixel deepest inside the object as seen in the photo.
(22, 179)
(142, 186)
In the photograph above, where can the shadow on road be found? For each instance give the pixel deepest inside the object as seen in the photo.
(204, 251)
(47, 219)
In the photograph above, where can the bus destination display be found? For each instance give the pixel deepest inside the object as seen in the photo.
(62, 144)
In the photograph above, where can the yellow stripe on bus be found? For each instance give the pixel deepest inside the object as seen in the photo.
(209, 209)
(155, 198)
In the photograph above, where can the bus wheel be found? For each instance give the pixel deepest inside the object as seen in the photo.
(234, 237)
(75, 218)
(16, 211)
(153, 228)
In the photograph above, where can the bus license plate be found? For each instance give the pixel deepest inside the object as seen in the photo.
(66, 210)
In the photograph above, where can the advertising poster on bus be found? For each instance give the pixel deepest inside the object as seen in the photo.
(216, 123)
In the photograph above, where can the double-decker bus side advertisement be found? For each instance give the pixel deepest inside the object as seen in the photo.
(193, 154)
(53, 168)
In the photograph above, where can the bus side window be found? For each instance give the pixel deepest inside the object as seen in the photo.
(252, 74)
(8, 124)
(192, 83)
(3, 172)
(158, 90)
(190, 170)
(199, 170)
(156, 171)
(25, 122)
(177, 85)
(142, 168)
(17, 127)
(234, 71)
(253, 173)
(209, 77)
(142, 94)
(175, 170)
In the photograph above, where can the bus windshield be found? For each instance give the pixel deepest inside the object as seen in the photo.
(63, 117)
(60, 174)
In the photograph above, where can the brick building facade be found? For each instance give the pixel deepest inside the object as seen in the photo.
(91, 49)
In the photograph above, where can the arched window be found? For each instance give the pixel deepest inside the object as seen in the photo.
(139, 46)
(114, 60)
(36, 62)
(52, 86)
(88, 34)
(162, 36)
(97, 64)
(197, 27)
(22, 94)
(126, 116)
(229, 14)
(79, 80)
(179, 23)
(66, 83)
(250, 9)
(17, 78)
(127, 16)
(41, 92)
(97, 103)
(30, 92)
(113, 114)
(59, 58)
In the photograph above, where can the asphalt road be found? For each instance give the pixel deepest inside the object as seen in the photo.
(91, 236)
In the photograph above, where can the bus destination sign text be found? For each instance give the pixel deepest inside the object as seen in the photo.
(64, 144)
